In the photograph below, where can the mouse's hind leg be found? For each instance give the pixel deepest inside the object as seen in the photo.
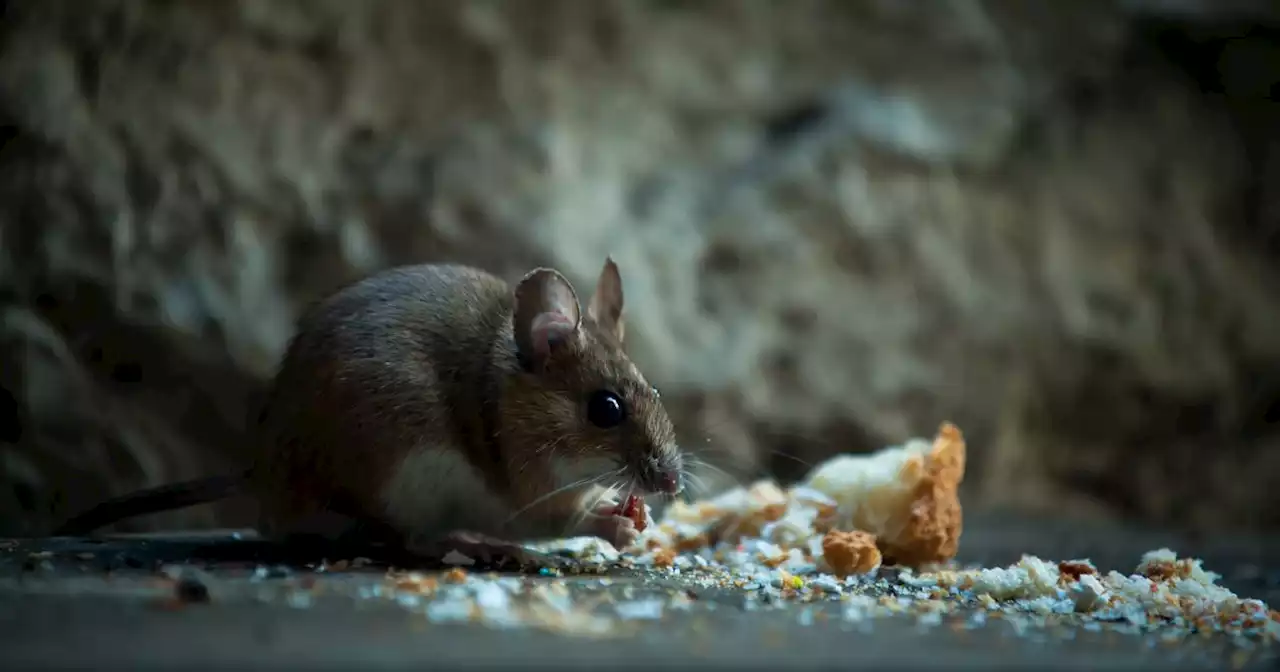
(293, 515)
(309, 531)
(310, 523)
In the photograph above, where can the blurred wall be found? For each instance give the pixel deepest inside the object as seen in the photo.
(839, 223)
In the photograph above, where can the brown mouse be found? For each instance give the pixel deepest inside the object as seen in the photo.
(436, 402)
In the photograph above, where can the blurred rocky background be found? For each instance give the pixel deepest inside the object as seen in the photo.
(839, 223)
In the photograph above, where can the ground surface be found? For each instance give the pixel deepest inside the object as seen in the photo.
(60, 608)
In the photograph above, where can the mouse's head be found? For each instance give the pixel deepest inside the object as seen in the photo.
(586, 409)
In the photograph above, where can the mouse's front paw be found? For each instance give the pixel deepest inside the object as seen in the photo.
(606, 524)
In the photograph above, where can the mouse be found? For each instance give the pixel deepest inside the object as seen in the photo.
(437, 406)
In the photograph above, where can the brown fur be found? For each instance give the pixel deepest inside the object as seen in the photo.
(432, 399)
(450, 358)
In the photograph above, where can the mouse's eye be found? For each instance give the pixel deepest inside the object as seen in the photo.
(605, 409)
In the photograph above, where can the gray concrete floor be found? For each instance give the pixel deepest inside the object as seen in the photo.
(60, 609)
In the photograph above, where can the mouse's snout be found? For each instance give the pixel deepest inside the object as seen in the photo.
(664, 477)
(669, 482)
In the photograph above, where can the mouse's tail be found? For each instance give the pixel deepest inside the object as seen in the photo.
(154, 500)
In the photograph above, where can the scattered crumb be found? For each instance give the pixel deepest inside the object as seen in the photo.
(1163, 564)
(1088, 594)
(874, 535)
(905, 498)
(850, 552)
(1072, 570)
(1183, 598)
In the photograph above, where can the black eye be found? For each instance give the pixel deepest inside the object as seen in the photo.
(605, 409)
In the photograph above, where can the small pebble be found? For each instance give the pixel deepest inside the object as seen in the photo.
(191, 590)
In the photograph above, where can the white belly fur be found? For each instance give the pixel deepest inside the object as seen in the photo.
(435, 491)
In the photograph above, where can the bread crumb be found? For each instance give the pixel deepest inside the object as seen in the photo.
(1072, 570)
(850, 552)
(1163, 564)
(692, 543)
(634, 508)
(1088, 594)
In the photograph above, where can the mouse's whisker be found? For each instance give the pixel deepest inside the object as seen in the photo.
(697, 462)
(612, 477)
(576, 521)
(697, 487)
(696, 483)
(713, 448)
(589, 509)
(576, 484)
(616, 490)
(793, 458)
(630, 490)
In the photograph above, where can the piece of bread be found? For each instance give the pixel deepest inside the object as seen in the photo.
(906, 496)
(905, 499)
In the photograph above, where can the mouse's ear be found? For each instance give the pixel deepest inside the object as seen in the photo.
(606, 304)
(546, 316)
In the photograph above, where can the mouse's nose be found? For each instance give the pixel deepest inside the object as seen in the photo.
(662, 475)
(669, 481)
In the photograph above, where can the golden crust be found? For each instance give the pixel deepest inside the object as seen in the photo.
(850, 552)
(936, 519)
